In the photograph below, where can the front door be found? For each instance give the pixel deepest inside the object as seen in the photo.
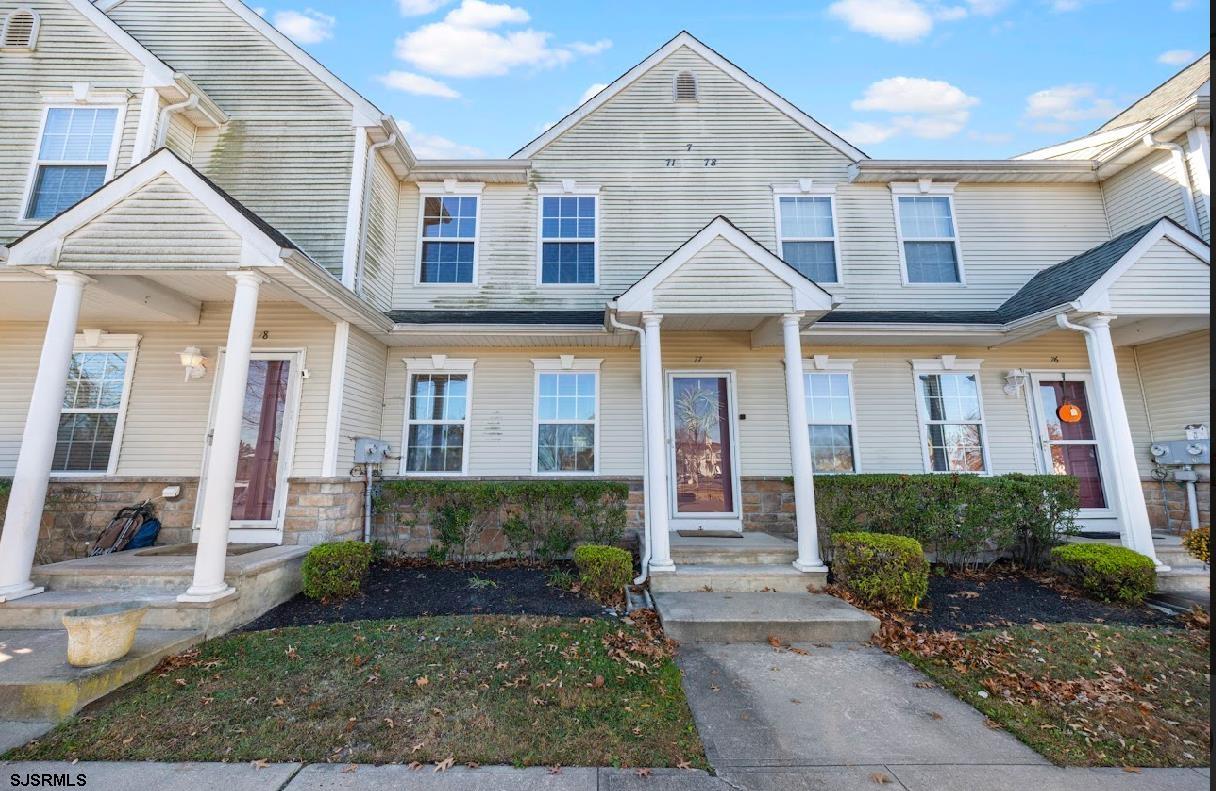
(703, 462)
(1067, 438)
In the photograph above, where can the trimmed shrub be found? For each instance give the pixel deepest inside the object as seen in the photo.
(1108, 572)
(335, 571)
(1198, 544)
(603, 571)
(882, 570)
(961, 518)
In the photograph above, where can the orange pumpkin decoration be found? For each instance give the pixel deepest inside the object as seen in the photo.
(1069, 413)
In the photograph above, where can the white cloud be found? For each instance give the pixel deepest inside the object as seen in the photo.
(932, 109)
(428, 146)
(867, 134)
(1182, 5)
(1065, 6)
(466, 44)
(1177, 57)
(592, 90)
(305, 27)
(1056, 109)
(594, 48)
(420, 7)
(992, 138)
(987, 7)
(893, 20)
(416, 84)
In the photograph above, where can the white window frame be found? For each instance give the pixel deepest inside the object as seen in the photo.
(447, 189)
(569, 364)
(927, 188)
(949, 364)
(567, 188)
(54, 102)
(93, 341)
(823, 364)
(34, 30)
(436, 364)
(807, 188)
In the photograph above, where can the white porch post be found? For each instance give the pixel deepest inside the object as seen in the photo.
(1135, 530)
(656, 447)
(33, 472)
(216, 513)
(800, 448)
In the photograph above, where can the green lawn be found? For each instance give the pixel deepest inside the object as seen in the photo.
(1084, 694)
(491, 690)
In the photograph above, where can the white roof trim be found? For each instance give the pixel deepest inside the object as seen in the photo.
(808, 296)
(157, 72)
(42, 246)
(686, 39)
(1097, 296)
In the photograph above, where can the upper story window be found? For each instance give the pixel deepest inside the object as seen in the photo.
(928, 236)
(807, 234)
(684, 88)
(90, 419)
(20, 29)
(76, 154)
(568, 235)
(952, 415)
(448, 247)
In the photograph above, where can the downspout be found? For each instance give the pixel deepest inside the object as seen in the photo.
(1184, 179)
(365, 214)
(645, 554)
(162, 123)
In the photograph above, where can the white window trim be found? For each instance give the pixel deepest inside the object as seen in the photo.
(567, 363)
(436, 364)
(34, 30)
(948, 364)
(926, 187)
(807, 188)
(439, 189)
(823, 364)
(94, 341)
(566, 187)
(53, 102)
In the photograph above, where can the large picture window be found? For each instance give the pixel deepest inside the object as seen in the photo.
(94, 402)
(953, 421)
(829, 410)
(567, 417)
(437, 417)
(568, 239)
(75, 154)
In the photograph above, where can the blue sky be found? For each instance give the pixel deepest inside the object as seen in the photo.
(898, 78)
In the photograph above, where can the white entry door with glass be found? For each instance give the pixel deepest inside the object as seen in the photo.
(268, 418)
(1068, 440)
(703, 458)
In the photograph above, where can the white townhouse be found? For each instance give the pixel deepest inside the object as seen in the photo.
(222, 264)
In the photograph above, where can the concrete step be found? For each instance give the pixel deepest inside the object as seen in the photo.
(1184, 579)
(749, 548)
(755, 617)
(742, 578)
(45, 610)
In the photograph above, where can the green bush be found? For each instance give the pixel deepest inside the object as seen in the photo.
(1198, 544)
(1108, 572)
(882, 570)
(960, 518)
(603, 571)
(335, 571)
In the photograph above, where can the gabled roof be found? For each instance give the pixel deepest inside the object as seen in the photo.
(686, 39)
(160, 73)
(1165, 95)
(808, 295)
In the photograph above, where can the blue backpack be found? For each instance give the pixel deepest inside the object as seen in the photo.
(145, 536)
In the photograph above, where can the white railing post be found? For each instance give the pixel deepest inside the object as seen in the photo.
(800, 449)
(656, 447)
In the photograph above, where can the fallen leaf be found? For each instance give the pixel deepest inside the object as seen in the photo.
(643, 772)
(414, 766)
(445, 764)
(683, 765)
(260, 763)
(422, 681)
(599, 682)
(350, 769)
(933, 715)
(1134, 770)
(278, 702)
(555, 770)
(880, 778)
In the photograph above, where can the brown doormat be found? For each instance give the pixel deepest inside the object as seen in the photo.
(708, 534)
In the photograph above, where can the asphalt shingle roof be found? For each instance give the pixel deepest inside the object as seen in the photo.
(1165, 95)
(524, 317)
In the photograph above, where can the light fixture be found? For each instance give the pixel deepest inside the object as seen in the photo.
(194, 362)
(1014, 381)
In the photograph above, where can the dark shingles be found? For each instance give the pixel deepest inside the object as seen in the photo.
(590, 318)
(911, 317)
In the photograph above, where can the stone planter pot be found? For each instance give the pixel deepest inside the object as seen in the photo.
(103, 632)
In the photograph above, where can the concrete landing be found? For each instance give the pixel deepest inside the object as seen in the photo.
(37, 683)
(749, 548)
(755, 617)
(737, 578)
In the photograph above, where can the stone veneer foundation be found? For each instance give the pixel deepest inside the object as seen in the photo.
(1167, 508)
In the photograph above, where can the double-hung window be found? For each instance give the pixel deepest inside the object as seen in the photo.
(829, 411)
(569, 228)
(928, 235)
(807, 235)
(437, 416)
(567, 416)
(94, 403)
(952, 418)
(76, 153)
(448, 247)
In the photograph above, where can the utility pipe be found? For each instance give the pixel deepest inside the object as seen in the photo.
(646, 482)
(1178, 153)
(367, 503)
(364, 215)
(162, 123)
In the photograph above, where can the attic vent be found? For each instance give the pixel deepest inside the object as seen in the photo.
(20, 29)
(686, 87)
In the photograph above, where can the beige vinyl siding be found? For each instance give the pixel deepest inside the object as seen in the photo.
(1194, 164)
(180, 136)
(1143, 192)
(1167, 279)
(1177, 379)
(380, 252)
(158, 224)
(722, 277)
(287, 151)
(362, 395)
(70, 50)
(166, 419)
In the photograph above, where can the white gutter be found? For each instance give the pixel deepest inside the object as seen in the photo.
(162, 123)
(365, 213)
(1184, 179)
(646, 500)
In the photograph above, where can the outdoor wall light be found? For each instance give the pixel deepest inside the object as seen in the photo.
(1014, 381)
(194, 362)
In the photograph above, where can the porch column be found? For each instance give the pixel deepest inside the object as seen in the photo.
(800, 448)
(1135, 530)
(33, 472)
(656, 447)
(220, 475)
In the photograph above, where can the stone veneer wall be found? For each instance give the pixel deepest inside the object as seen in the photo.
(1169, 499)
(323, 509)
